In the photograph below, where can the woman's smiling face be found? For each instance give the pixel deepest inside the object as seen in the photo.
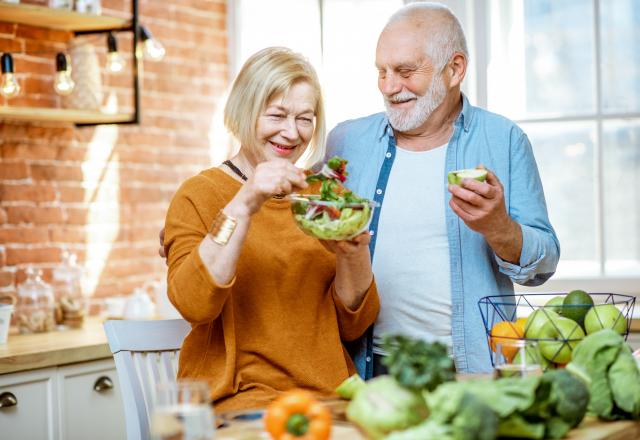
(286, 125)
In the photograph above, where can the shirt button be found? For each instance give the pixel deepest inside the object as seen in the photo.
(372, 232)
(368, 358)
(388, 155)
(378, 191)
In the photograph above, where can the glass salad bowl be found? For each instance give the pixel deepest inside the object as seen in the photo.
(331, 220)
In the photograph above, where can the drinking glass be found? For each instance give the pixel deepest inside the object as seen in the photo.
(518, 357)
(182, 411)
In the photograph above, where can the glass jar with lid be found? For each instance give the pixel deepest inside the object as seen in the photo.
(35, 307)
(67, 282)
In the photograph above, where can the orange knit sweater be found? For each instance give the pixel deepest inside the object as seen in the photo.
(278, 324)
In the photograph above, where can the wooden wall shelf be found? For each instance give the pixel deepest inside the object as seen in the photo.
(63, 115)
(58, 18)
(80, 24)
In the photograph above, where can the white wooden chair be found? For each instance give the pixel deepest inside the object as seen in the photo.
(145, 353)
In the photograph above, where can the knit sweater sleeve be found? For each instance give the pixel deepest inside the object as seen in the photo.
(353, 323)
(191, 289)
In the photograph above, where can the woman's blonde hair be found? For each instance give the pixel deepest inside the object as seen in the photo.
(266, 74)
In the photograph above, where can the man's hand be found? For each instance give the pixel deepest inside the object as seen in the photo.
(481, 206)
(161, 248)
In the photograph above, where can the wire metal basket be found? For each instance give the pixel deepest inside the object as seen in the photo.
(509, 308)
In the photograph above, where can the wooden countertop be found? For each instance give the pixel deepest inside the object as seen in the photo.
(41, 350)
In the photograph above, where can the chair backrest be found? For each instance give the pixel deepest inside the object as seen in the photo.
(145, 353)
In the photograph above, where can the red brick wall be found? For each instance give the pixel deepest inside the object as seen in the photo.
(102, 192)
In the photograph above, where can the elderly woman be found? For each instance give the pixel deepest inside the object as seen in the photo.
(270, 306)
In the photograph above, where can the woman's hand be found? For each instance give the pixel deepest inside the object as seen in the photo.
(274, 177)
(353, 268)
(348, 248)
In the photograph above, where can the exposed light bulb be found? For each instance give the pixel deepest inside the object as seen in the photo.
(63, 83)
(9, 87)
(154, 50)
(151, 47)
(115, 61)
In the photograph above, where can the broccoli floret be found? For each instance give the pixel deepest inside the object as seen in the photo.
(556, 428)
(469, 417)
(416, 364)
(475, 420)
(570, 395)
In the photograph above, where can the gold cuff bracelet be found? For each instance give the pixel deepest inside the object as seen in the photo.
(222, 228)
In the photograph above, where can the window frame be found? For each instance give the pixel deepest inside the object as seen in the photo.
(480, 42)
(474, 16)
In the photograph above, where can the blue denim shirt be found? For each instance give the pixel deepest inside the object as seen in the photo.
(479, 137)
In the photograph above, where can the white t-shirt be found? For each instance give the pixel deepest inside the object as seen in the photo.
(411, 258)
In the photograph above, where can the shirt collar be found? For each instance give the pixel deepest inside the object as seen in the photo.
(385, 128)
(466, 115)
(464, 118)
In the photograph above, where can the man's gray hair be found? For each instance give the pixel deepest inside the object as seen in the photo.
(447, 36)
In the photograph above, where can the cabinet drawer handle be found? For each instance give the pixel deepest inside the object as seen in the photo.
(103, 383)
(7, 400)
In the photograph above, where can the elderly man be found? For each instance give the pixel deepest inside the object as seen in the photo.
(438, 248)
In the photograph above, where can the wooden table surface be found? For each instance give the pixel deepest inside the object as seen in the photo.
(590, 428)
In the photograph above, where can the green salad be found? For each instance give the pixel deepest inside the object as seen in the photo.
(336, 213)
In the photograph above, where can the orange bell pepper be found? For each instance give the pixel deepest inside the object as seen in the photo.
(297, 415)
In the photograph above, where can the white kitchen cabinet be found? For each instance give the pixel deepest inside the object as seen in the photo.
(69, 402)
(90, 402)
(28, 403)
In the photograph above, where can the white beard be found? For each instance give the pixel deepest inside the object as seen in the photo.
(407, 120)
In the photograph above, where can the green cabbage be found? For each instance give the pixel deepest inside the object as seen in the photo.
(384, 406)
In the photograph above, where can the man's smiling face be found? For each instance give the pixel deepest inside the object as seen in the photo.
(410, 86)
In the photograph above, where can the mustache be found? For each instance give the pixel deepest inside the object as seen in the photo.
(400, 97)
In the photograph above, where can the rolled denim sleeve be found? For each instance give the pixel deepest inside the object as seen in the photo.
(527, 206)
